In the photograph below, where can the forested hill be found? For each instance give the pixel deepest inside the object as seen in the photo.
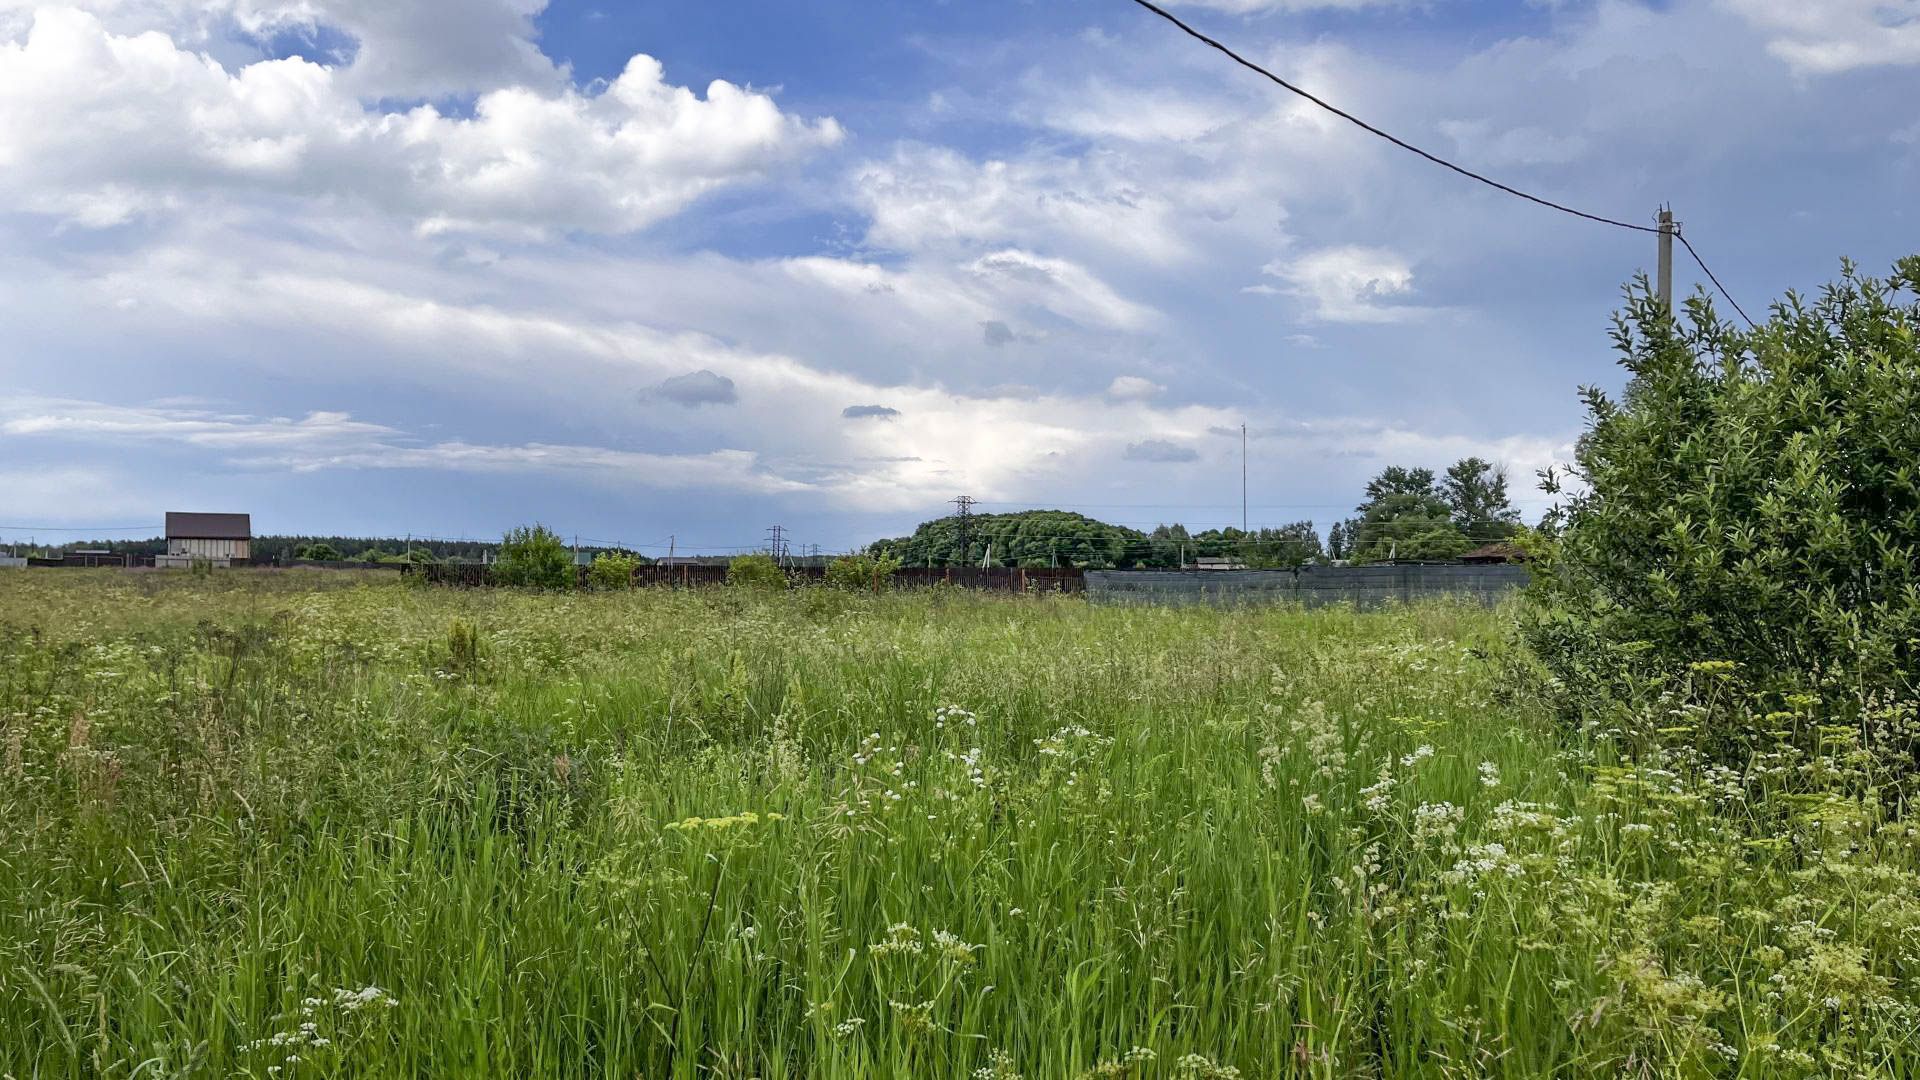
(1028, 538)
(1063, 538)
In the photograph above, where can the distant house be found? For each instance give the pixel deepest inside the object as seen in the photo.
(1218, 562)
(1501, 552)
(220, 539)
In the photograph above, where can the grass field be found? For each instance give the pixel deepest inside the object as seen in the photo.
(280, 824)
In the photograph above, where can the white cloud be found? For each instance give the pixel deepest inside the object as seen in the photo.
(92, 421)
(1102, 109)
(929, 198)
(334, 440)
(98, 127)
(1830, 36)
(410, 49)
(1349, 284)
(1134, 388)
(790, 415)
(1060, 285)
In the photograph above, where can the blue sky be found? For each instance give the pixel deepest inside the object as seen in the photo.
(693, 269)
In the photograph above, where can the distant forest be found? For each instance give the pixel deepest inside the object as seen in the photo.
(1407, 513)
(1035, 538)
(281, 549)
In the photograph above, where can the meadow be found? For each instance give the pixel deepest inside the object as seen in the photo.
(291, 824)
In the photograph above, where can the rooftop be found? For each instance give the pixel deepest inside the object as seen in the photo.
(182, 526)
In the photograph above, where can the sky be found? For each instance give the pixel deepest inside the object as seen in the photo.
(687, 269)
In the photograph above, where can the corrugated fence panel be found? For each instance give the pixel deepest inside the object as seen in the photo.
(1362, 586)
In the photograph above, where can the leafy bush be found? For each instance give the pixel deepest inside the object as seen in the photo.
(1747, 520)
(533, 556)
(756, 572)
(612, 570)
(463, 648)
(320, 552)
(862, 572)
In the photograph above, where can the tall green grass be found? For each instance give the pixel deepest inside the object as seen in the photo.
(268, 825)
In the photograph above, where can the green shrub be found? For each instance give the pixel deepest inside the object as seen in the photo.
(534, 557)
(612, 570)
(756, 572)
(463, 648)
(864, 572)
(318, 552)
(1746, 523)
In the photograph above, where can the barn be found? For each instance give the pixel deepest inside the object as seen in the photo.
(220, 539)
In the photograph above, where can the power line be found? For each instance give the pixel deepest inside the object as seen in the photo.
(1682, 237)
(1401, 143)
(1434, 158)
(81, 529)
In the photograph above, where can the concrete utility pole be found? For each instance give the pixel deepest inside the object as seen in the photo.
(1664, 278)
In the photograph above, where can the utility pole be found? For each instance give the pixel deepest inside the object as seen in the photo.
(777, 543)
(963, 505)
(1664, 277)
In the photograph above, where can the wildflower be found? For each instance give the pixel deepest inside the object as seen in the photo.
(1121, 1066)
(913, 1019)
(901, 940)
(1489, 774)
(999, 1066)
(951, 948)
(1201, 1067)
(1420, 754)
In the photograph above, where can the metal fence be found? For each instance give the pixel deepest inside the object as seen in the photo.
(1362, 586)
(994, 579)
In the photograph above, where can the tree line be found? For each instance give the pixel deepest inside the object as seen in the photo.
(1408, 513)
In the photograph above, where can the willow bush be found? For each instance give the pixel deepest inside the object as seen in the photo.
(1742, 536)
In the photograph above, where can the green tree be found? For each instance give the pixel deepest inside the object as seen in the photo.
(757, 571)
(320, 552)
(1476, 491)
(864, 572)
(1286, 547)
(1406, 516)
(1029, 538)
(534, 557)
(612, 571)
(1752, 499)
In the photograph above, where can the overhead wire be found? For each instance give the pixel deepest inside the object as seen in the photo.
(1436, 159)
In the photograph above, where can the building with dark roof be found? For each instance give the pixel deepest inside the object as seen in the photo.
(220, 539)
(1501, 552)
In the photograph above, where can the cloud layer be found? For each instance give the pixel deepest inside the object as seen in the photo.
(98, 127)
(283, 248)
